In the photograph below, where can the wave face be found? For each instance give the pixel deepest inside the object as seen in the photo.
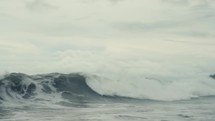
(18, 86)
(83, 87)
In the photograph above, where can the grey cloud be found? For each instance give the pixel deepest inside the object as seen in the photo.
(60, 30)
(93, 1)
(191, 3)
(115, 1)
(203, 12)
(143, 26)
(176, 2)
(197, 34)
(38, 5)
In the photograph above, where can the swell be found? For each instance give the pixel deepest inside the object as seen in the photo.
(18, 86)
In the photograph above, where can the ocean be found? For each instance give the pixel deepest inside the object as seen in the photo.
(74, 97)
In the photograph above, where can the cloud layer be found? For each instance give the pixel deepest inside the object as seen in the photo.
(108, 36)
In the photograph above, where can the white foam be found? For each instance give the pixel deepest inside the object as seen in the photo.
(12, 98)
(150, 88)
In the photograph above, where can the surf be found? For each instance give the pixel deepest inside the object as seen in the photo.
(82, 87)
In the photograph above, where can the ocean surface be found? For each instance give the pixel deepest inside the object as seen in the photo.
(85, 97)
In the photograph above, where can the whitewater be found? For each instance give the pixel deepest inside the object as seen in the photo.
(23, 86)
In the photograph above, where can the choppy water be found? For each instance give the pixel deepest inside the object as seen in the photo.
(193, 110)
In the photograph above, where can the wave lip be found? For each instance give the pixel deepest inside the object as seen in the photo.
(160, 89)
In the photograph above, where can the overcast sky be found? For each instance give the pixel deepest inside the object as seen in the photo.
(144, 36)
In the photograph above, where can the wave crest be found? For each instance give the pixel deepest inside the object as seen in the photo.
(85, 87)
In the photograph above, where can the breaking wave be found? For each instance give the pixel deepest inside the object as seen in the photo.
(84, 87)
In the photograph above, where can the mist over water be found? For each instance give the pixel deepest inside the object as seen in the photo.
(157, 70)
